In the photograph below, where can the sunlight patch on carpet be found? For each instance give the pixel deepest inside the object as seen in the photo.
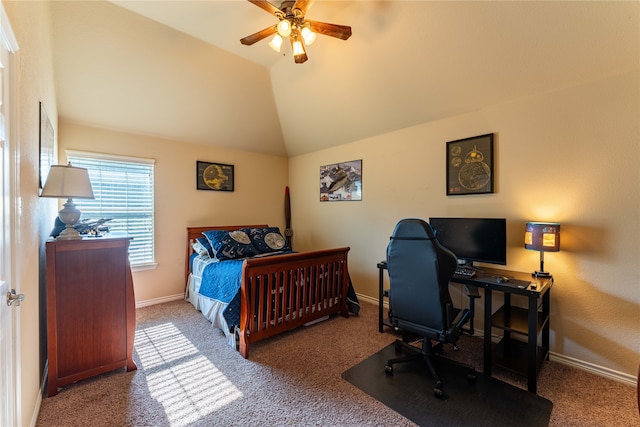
(179, 377)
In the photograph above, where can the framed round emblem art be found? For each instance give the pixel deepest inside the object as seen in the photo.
(470, 165)
(214, 176)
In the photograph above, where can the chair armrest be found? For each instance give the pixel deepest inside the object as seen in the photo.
(472, 292)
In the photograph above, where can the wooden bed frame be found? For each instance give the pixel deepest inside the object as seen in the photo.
(280, 293)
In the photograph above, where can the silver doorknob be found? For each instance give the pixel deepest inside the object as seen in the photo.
(13, 297)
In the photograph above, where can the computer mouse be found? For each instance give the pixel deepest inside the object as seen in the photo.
(503, 279)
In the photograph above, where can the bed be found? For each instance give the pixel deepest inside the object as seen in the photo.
(252, 296)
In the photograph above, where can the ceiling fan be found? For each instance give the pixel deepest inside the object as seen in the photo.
(292, 24)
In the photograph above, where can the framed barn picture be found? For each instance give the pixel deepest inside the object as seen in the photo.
(341, 181)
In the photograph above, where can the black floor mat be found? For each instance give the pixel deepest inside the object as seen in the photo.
(409, 391)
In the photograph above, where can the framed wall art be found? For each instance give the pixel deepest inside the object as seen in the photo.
(214, 176)
(341, 181)
(46, 147)
(470, 165)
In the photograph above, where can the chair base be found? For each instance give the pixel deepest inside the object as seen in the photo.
(425, 355)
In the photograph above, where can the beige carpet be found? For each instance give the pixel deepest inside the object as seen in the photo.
(188, 376)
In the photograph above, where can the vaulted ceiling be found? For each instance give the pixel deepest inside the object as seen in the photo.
(176, 69)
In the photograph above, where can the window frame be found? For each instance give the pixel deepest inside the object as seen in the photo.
(148, 262)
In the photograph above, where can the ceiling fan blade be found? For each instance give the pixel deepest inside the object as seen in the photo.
(264, 4)
(339, 31)
(256, 37)
(302, 5)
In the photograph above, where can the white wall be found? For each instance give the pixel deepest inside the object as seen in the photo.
(568, 156)
(258, 198)
(30, 23)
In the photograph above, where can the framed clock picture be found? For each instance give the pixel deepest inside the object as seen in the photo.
(470, 165)
(214, 176)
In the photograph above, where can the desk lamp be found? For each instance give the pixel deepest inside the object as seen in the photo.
(543, 237)
(72, 183)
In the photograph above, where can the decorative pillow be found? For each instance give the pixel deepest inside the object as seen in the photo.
(199, 249)
(230, 244)
(202, 246)
(268, 239)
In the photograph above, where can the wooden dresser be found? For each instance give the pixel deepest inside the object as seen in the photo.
(90, 309)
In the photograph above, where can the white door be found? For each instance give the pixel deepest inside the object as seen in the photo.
(8, 325)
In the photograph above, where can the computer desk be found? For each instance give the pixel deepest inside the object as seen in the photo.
(530, 322)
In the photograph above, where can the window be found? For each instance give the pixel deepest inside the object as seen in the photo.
(123, 190)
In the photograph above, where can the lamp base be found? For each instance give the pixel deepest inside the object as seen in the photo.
(542, 274)
(69, 215)
(69, 233)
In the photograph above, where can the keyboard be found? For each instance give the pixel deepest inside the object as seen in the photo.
(464, 273)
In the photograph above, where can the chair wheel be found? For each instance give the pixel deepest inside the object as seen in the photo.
(438, 348)
(439, 392)
(388, 370)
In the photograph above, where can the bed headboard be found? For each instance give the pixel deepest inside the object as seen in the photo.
(195, 232)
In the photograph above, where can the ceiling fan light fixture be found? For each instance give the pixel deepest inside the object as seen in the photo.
(293, 25)
(308, 36)
(276, 43)
(284, 28)
(298, 49)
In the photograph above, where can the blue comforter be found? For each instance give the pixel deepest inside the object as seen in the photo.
(222, 280)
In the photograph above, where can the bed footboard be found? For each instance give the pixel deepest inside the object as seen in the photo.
(281, 293)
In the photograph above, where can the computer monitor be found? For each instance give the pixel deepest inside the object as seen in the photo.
(473, 239)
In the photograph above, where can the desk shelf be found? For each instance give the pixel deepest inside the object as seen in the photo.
(511, 354)
(517, 320)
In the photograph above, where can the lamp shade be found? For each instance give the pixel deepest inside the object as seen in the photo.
(542, 236)
(66, 181)
(71, 183)
(276, 43)
(299, 53)
(308, 36)
(284, 28)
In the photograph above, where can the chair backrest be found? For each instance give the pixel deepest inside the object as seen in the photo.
(419, 272)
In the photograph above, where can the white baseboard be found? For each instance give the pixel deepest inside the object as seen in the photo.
(43, 383)
(370, 300)
(556, 357)
(594, 369)
(155, 301)
(36, 411)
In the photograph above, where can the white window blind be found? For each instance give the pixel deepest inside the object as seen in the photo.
(123, 190)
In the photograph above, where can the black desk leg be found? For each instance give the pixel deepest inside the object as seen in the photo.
(380, 298)
(532, 344)
(545, 330)
(487, 331)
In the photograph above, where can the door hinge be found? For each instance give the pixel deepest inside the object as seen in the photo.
(13, 297)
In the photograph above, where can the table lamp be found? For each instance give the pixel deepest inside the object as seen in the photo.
(73, 183)
(543, 237)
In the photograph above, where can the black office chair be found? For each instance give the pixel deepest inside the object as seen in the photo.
(419, 301)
